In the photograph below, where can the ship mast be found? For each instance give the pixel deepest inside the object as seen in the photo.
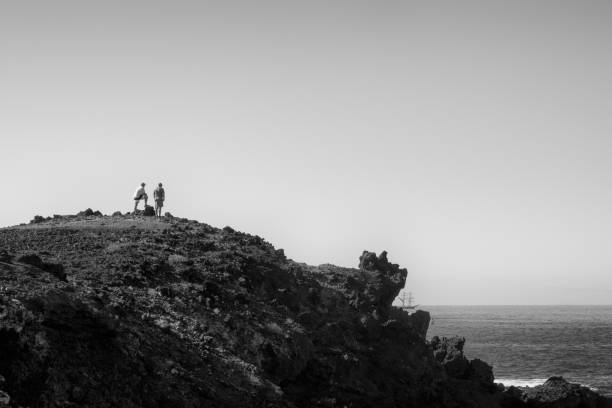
(406, 299)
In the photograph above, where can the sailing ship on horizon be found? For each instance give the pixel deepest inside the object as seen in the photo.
(406, 299)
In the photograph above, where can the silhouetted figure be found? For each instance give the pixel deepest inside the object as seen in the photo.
(140, 194)
(159, 195)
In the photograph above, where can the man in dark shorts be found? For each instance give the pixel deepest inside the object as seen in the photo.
(159, 195)
(140, 194)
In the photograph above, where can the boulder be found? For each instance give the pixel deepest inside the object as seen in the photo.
(149, 211)
(89, 212)
(37, 219)
(56, 270)
(31, 259)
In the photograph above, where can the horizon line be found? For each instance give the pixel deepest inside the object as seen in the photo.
(522, 304)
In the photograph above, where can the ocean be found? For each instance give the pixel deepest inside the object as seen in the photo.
(528, 344)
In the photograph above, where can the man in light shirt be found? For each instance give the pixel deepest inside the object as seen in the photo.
(139, 195)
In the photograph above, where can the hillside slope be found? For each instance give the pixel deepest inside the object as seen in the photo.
(127, 311)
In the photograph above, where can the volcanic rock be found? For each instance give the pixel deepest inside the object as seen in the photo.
(449, 353)
(174, 313)
(89, 212)
(149, 211)
(31, 259)
(5, 399)
(37, 219)
(559, 393)
(56, 270)
(5, 256)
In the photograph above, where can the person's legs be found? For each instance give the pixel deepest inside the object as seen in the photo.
(137, 201)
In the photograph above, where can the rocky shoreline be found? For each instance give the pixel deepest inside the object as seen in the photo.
(554, 392)
(133, 311)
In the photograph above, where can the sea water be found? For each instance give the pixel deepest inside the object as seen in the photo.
(528, 344)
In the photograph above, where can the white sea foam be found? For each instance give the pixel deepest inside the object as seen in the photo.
(521, 382)
(533, 382)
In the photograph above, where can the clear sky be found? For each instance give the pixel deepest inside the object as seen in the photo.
(471, 140)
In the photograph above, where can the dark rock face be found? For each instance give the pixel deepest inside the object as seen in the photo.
(173, 313)
(419, 322)
(481, 372)
(449, 353)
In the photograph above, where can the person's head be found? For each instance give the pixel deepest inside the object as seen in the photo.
(160, 184)
(142, 184)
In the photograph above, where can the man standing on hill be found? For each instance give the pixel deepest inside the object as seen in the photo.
(139, 195)
(159, 195)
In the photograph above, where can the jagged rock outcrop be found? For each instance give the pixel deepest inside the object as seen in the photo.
(382, 282)
(90, 213)
(449, 353)
(557, 392)
(37, 219)
(174, 313)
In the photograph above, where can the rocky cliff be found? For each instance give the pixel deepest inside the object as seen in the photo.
(130, 311)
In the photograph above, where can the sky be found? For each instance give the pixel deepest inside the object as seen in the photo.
(471, 140)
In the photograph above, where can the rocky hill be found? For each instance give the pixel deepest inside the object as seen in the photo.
(132, 311)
